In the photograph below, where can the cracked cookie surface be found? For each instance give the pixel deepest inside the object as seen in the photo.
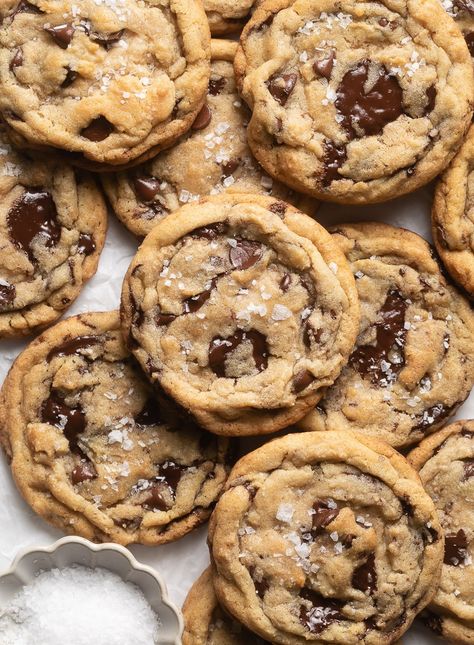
(452, 216)
(93, 451)
(413, 363)
(53, 222)
(206, 623)
(325, 537)
(242, 309)
(93, 79)
(445, 462)
(212, 158)
(354, 102)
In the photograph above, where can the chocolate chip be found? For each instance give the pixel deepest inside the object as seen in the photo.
(203, 118)
(162, 319)
(435, 414)
(430, 99)
(146, 187)
(70, 77)
(278, 208)
(72, 346)
(334, 158)
(311, 336)
(325, 511)
(469, 38)
(285, 282)
(86, 244)
(468, 466)
(70, 419)
(221, 347)
(157, 498)
(209, 232)
(26, 7)
(455, 548)
(194, 303)
(150, 414)
(7, 294)
(261, 586)
(228, 167)
(373, 361)
(281, 86)
(325, 66)
(17, 59)
(368, 112)
(85, 471)
(245, 253)
(364, 578)
(106, 40)
(33, 214)
(302, 380)
(383, 22)
(62, 34)
(98, 129)
(216, 85)
(321, 613)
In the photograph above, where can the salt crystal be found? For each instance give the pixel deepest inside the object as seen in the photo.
(280, 312)
(81, 606)
(285, 513)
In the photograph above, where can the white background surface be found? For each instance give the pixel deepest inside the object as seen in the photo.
(179, 563)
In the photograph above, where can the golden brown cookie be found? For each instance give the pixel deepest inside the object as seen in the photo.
(93, 451)
(242, 309)
(354, 103)
(325, 538)
(413, 363)
(108, 83)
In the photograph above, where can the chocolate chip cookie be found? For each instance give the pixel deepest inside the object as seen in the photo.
(413, 364)
(205, 623)
(111, 83)
(242, 309)
(325, 537)
(463, 13)
(52, 229)
(227, 16)
(445, 462)
(93, 451)
(453, 216)
(354, 103)
(213, 158)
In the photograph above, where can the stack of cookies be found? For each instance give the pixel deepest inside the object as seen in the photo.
(240, 314)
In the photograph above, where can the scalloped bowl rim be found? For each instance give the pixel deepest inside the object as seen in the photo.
(24, 553)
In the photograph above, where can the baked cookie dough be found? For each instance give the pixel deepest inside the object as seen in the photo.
(93, 452)
(213, 158)
(228, 16)
(242, 309)
(53, 223)
(325, 538)
(453, 216)
(413, 364)
(110, 83)
(445, 462)
(463, 13)
(205, 623)
(354, 102)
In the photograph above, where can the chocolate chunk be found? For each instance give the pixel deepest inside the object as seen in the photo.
(98, 129)
(311, 336)
(86, 244)
(465, 5)
(322, 612)
(26, 7)
(203, 118)
(228, 167)
(216, 85)
(368, 112)
(279, 208)
(302, 380)
(469, 38)
(364, 578)
(325, 66)
(71, 420)
(17, 59)
(468, 469)
(281, 86)
(106, 40)
(62, 34)
(70, 77)
(245, 253)
(455, 548)
(334, 158)
(209, 232)
(171, 473)
(373, 360)
(221, 347)
(84, 471)
(261, 586)
(194, 303)
(162, 319)
(7, 294)
(285, 282)
(156, 498)
(435, 414)
(433, 621)
(150, 414)
(430, 99)
(325, 511)
(34, 213)
(146, 187)
(72, 346)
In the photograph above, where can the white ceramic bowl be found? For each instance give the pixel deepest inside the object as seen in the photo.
(115, 558)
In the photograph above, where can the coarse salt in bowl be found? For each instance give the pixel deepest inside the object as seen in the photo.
(77, 558)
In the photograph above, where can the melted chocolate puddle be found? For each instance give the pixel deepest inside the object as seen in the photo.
(70, 347)
(71, 420)
(220, 348)
(364, 577)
